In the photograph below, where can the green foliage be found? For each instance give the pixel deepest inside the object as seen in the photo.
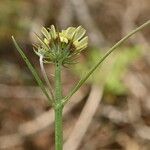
(33, 71)
(59, 100)
(65, 45)
(112, 71)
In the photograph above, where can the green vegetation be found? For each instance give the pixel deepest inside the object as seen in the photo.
(54, 46)
(112, 71)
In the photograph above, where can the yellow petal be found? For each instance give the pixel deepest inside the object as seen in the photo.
(46, 41)
(53, 32)
(79, 33)
(70, 32)
(46, 33)
(81, 44)
(63, 38)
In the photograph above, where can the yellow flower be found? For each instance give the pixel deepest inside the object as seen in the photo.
(63, 38)
(62, 45)
(46, 41)
(76, 36)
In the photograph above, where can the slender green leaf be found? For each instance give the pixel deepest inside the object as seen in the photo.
(33, 71)
(88, 74)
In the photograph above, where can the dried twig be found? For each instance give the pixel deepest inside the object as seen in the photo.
(85, 119)
(28, 92)
(128, 23)
(114, 114)
(139, 92)
(35, 126)
(127, 142)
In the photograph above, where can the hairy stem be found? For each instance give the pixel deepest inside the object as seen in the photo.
(58, 111)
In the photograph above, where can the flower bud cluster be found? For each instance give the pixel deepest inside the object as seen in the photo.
(61, 46)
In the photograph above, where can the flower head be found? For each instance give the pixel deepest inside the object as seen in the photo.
(61, 46)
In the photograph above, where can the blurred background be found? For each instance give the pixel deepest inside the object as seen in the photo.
(111, 111)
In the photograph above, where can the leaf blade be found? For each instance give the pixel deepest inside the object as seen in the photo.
(33, 71)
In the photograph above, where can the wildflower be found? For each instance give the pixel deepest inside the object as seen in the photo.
(61, 46)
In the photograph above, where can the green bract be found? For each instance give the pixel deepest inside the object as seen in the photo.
(64, 45)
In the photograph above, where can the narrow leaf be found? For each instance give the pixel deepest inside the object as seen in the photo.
(88, 74)
(33, 71)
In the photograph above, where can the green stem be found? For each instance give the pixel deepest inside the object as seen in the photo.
(58, 111)
(88, 74)
(58, 129)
